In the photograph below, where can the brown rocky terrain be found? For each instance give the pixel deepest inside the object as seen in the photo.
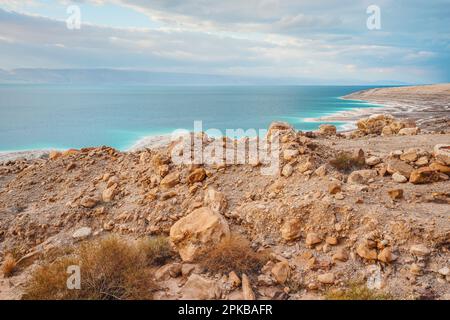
(370, 206)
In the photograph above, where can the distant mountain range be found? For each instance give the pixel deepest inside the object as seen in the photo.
(130, 77)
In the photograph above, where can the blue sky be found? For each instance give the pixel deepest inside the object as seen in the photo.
(320, 39)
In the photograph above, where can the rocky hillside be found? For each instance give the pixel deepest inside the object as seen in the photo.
(369, 207)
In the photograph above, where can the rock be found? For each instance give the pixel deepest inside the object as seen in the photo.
(108, 226)
(171, 180)
(409, 155)
(287, 170)
(362, 176)
(386, 255)
(321, 171)
(247, 291)
(71, 166)
(168, 195)
(340, 255)
(306, 166)
(198, 175)
(326, 278)
(415, 269)
(109, 193)
(82, 233)
(442, 153)
(364, 252)
(53, 155)
(422, 161)
(312, 239)
(187, 269)
(397, 177)
(280, 127)
(424, 175)
(334, 187)
(88, 202)
(445, 271)
(374, 124)
(199, 288)
(234, 280)
(281, 271)
(409, 131)
(440, 167)
(171, 270)
(290, 154)
(291, 229)
(396, 194)
(331, 241)
(372, 161)
(198, 232)
(215, 200)
(327, 130)
(395, 165)
(420, 250)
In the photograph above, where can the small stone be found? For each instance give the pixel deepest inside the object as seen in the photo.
(331, 241)
(287, 170)
(340, 255)
(198, 175)
(108, 226)
(424, 175)
(88, 202)
(396, 194)
(291, 229)
(444, 271)
(327, 130)
(415, 269)
(312, 239)
(386, 255)
(397, 177)
(82, 233)
(420, 250)
(372, 161)
(171, 180)
(247, 291)
(281, 271)
(234, 280)
(109, 193)
(334, 187)
(364, 252)
(326, 278)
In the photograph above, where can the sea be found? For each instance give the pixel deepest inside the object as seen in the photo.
(34, 117)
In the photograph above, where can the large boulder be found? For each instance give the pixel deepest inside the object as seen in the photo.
(280, 127)
(374, 124)
(291, 229)
(198, 232)
(362, 176)
(170, 180)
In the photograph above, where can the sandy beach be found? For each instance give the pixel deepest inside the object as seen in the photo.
(428, 105)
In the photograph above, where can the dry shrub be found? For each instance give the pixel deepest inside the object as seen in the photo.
(157, 250)
(346, 162)
(110, 269)
(234, 254)
(356, 291)
(9, 266)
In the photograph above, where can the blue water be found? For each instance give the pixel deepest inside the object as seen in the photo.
(63, 116)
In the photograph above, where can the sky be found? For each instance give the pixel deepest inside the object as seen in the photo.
(326, 40)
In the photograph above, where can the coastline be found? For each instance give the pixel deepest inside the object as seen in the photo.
(428, 105)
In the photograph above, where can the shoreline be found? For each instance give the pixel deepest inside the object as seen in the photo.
(428, 105)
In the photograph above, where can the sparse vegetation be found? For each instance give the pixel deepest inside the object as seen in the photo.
(356, 291)
(234, 254)
(157, 249)
(111, 268)
(346, 162)
(9, 266)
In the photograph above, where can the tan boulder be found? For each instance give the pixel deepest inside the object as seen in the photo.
(409, 131)
(287, 170)
(362, 176)
(280, 127)
(281, 271)
(420, 250)
(312, 239)
(291, 229)
(386, 255)
(424, 175)
(340, 255)
(171, 180)
(397, 177)
(215, 200)
(395, 165)
(199, 288)
(290, 154)
(374, 124)
(440, 167)
(366, 253)
(198, 232)
(198, 175)
(88, 202)
(334, 187)
(109, 193)
(326, 278)
(234, 279)
(395, 194)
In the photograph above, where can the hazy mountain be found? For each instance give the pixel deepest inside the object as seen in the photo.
(114, 76)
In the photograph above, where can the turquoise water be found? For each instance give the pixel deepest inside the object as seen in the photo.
(63, 116)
